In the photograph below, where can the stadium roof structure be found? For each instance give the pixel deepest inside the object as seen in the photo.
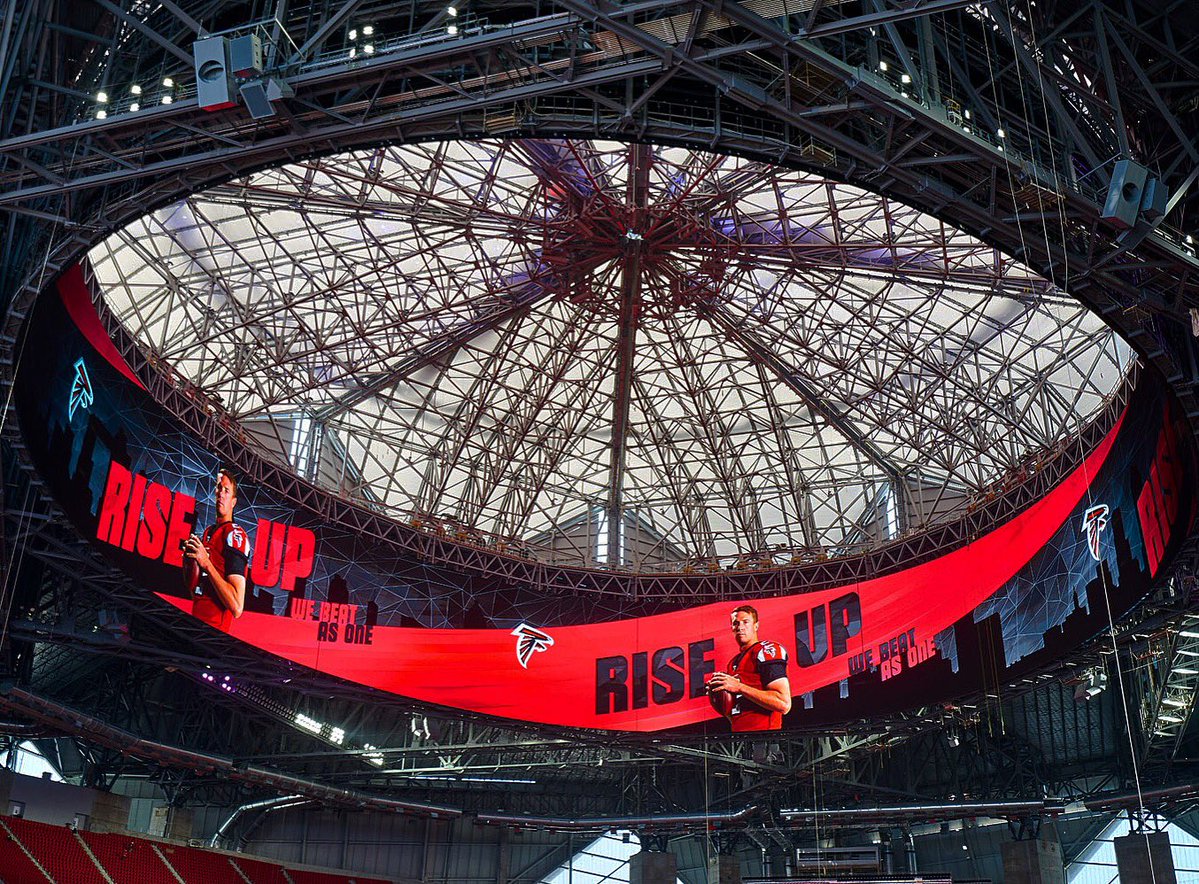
(846, 271)
(516, 335)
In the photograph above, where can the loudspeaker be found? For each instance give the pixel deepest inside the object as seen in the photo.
(259, 95)
(245, 56)
(1153, 202)
(1124, 194)
(254, 95)
(214, 86)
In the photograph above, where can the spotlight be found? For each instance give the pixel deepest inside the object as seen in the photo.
(353, 52)
(1001, 133)
(368, 31)
(905, 79)
(882, 66)
(101, 114)
(353, 33)
(102, 97)
(168, 82)
(135, 89)
(369, 48)
(166, 99)
(451, 11)
(135, 107)
(452, 30)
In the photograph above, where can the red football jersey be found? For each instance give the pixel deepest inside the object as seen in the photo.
(757, 666)
(228, 546)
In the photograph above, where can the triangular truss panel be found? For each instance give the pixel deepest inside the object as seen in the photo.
(513, 335)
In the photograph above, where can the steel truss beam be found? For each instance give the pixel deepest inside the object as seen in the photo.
(797, 93)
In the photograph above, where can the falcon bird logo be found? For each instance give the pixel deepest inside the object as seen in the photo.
(528, 640)
(81, 390)
(1094, 520)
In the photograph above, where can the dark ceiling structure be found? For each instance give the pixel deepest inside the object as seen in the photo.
(992, 130)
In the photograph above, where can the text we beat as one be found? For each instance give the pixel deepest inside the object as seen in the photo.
(149, 519)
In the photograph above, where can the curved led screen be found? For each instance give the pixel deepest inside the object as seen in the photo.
(137, 484)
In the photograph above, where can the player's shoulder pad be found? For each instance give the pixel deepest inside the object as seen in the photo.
(768, 651)
(238, 539)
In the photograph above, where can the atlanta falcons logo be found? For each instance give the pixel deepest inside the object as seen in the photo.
(1094, 520)
(528, 640)
(81, 390)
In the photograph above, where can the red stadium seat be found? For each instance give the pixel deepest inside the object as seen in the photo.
(58, 851)
(258, 870)
(127, 858)
(197, 866)
(18, 868)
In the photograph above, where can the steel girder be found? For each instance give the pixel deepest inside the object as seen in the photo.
(759, 103)
(65, 186)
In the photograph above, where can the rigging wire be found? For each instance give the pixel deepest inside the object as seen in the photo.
(1050, 263)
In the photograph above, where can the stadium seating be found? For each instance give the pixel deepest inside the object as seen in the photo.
(127, 858)
(58, 850)
(201, 866)
(17, 867)
(259, 870)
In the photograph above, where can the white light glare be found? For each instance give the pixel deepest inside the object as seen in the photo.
(452, 30)
(101, 114)
(135, 89)
(308, 724)
(1001, 133)
(967, 113)
(135, 107)
(368, 31)
(353, 52)
(102, 97)
(166, 99)
(168, 82)
(369, 48)
(905, 79)
(353, 33)
(451, 11)
(882, 66)
(337, 735)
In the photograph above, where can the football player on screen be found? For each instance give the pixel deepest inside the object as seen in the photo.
(215, 564)
(754, 694)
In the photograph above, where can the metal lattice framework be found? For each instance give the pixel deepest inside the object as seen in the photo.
(438, 329)
(1072, 85)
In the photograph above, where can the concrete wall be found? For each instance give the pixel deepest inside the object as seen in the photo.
(409, 849)
(61, 804)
